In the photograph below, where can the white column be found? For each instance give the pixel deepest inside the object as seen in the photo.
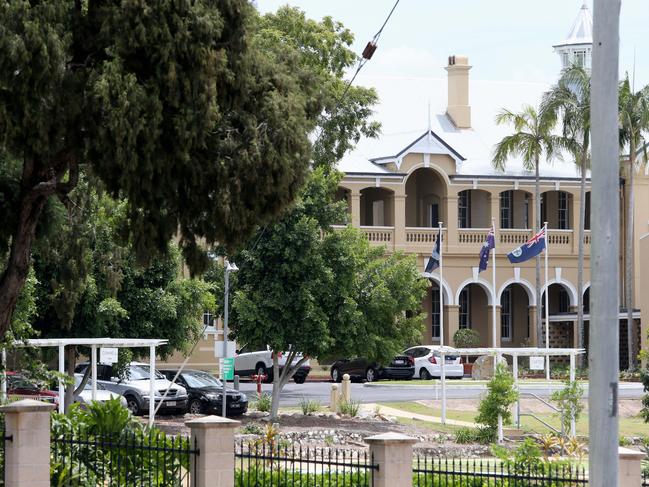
(573, 426)
(61, 386)
(547, 306)
(495, 291)
(151, 384)
(441, 288)
(443, 377)
(93, 371)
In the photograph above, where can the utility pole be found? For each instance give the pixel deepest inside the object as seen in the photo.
(605, 248)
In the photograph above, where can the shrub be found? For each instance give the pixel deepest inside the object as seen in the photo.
(263, 403)
(644, 412)
(498, 400)
(349, 408)
(484, 436)
(252, 429)
(569, 403)
(466, 338)
(309, 406)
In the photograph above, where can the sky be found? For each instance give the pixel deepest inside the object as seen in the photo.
(506, 40)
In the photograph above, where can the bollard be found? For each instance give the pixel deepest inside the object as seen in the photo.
(346, 391)
(333, 400)
(236, 382)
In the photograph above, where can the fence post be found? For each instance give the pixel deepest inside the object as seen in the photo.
(630, 472)
(213, 436)
(27, 449)
(392, 452)
(346, 391)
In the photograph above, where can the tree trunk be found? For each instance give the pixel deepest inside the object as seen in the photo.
(280, 380)
(580, 261)
(70, 359)
(274, 406)
(14, 277)
(628, 256)
(537, 196)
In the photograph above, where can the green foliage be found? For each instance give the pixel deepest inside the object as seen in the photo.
(466, 338)
(569, 403)
(481, 435)
(262, 403)
(309, 406)
(644, 411)
(499, 399)
(252, 429)
(349, 408)
(259, 476)
(97, 418)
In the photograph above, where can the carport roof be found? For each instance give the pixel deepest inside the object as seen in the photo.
(522, 351)
(88, 342)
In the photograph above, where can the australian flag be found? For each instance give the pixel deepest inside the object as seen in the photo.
(433, 262)
(489, 244)
(533, 247)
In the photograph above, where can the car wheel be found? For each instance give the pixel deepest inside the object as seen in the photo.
(370, 375)
(299, 379)
(335, 375)
(132, 405)
(424, 374)
(195, 407)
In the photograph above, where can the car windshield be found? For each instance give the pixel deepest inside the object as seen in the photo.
(88, 386)
(141, 372)
(199, 380)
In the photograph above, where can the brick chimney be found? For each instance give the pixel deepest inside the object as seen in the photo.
(458, 91)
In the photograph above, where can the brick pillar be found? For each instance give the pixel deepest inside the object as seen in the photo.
(532, 331)
(451, 323)
(392, 452)
(214, 438)
(27, 452)
(630, 470)
(356, 208)
(451, 239)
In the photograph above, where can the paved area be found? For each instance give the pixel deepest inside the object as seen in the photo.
(388, 411)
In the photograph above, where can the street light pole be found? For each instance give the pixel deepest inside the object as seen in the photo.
(229, 267)
(603, 357)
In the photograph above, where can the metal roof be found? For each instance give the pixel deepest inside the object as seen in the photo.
(581, 31)
(520, 351)
(101, 342)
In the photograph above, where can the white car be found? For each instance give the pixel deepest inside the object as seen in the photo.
(428, 362)
(103, 395)
(250, 361)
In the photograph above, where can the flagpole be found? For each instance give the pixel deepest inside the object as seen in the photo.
(547, 307)
(441, 323)
(493, 286)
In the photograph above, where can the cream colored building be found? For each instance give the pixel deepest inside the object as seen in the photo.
(432, 165)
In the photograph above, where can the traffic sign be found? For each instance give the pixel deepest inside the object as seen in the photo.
(226, 368)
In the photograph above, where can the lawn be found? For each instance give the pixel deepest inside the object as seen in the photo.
(633, 426)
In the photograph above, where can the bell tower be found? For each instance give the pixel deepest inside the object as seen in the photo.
(577, 48)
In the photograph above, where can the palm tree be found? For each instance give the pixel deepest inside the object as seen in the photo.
(634, 120)
(532, 138)
(570, 98)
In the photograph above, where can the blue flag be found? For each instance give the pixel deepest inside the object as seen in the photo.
(489, 244)
(433, 262)
(533, 247)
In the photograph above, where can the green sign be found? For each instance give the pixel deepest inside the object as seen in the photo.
(227, 368)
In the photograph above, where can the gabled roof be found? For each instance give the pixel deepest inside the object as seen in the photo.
(581, 31)
(427, 143)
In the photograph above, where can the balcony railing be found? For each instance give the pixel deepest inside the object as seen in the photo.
(379, 235)
(472, 235)
(515, 236)
(423, 235)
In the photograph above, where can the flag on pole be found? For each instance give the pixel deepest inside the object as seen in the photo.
(489, 244)
(533, 247)
(433, 261)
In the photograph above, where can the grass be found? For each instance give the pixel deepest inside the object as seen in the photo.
(628, 426)
(463, 382)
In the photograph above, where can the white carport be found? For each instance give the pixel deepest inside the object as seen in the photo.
(93, 344)
(498, 352)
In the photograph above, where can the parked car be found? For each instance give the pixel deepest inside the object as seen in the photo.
(250, 361)
(134, 386)
(401, 367)
(103, 394)
(21, 387)
(206, 393)
(428, 363)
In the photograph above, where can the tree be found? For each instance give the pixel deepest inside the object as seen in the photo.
(531, 140)
(570, 98)
(90, 285)
(634, 120)
(176, 107)
(311, 292)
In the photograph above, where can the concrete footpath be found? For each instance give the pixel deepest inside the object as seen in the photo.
(398, 413)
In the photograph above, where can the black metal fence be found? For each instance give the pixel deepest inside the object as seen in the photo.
(438, 472)
(645, 474)
(4, 439)
(260, 464)
(141, 458)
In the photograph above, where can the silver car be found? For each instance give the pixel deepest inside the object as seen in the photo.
(85, 395)
(134, 386)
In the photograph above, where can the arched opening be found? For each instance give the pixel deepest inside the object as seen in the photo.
(474, 311)
(556, 209)
(377, 207)
(431, 307)
(514, 316)
(473, 209)
(587, 301)
(515, 209)
(343, 194)
(425, 200)
(561, 331)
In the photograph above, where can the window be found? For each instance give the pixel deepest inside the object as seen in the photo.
(464, 209)
(564, 301)
(208, 321)
(433, 213)
(378, 213)
(506, 315)
(587, 212)
(565, 60)
(543, 212)
(526, 214)
(563, 214)
(435, 313)
(465, 308)
(507, 209)
(580, 59)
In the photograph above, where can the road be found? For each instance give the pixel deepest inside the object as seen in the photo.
(384, 391)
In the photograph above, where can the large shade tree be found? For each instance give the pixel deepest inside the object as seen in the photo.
(531, 140)
(312, 292)
(176, 106)
(569, 99)
(634, 122)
